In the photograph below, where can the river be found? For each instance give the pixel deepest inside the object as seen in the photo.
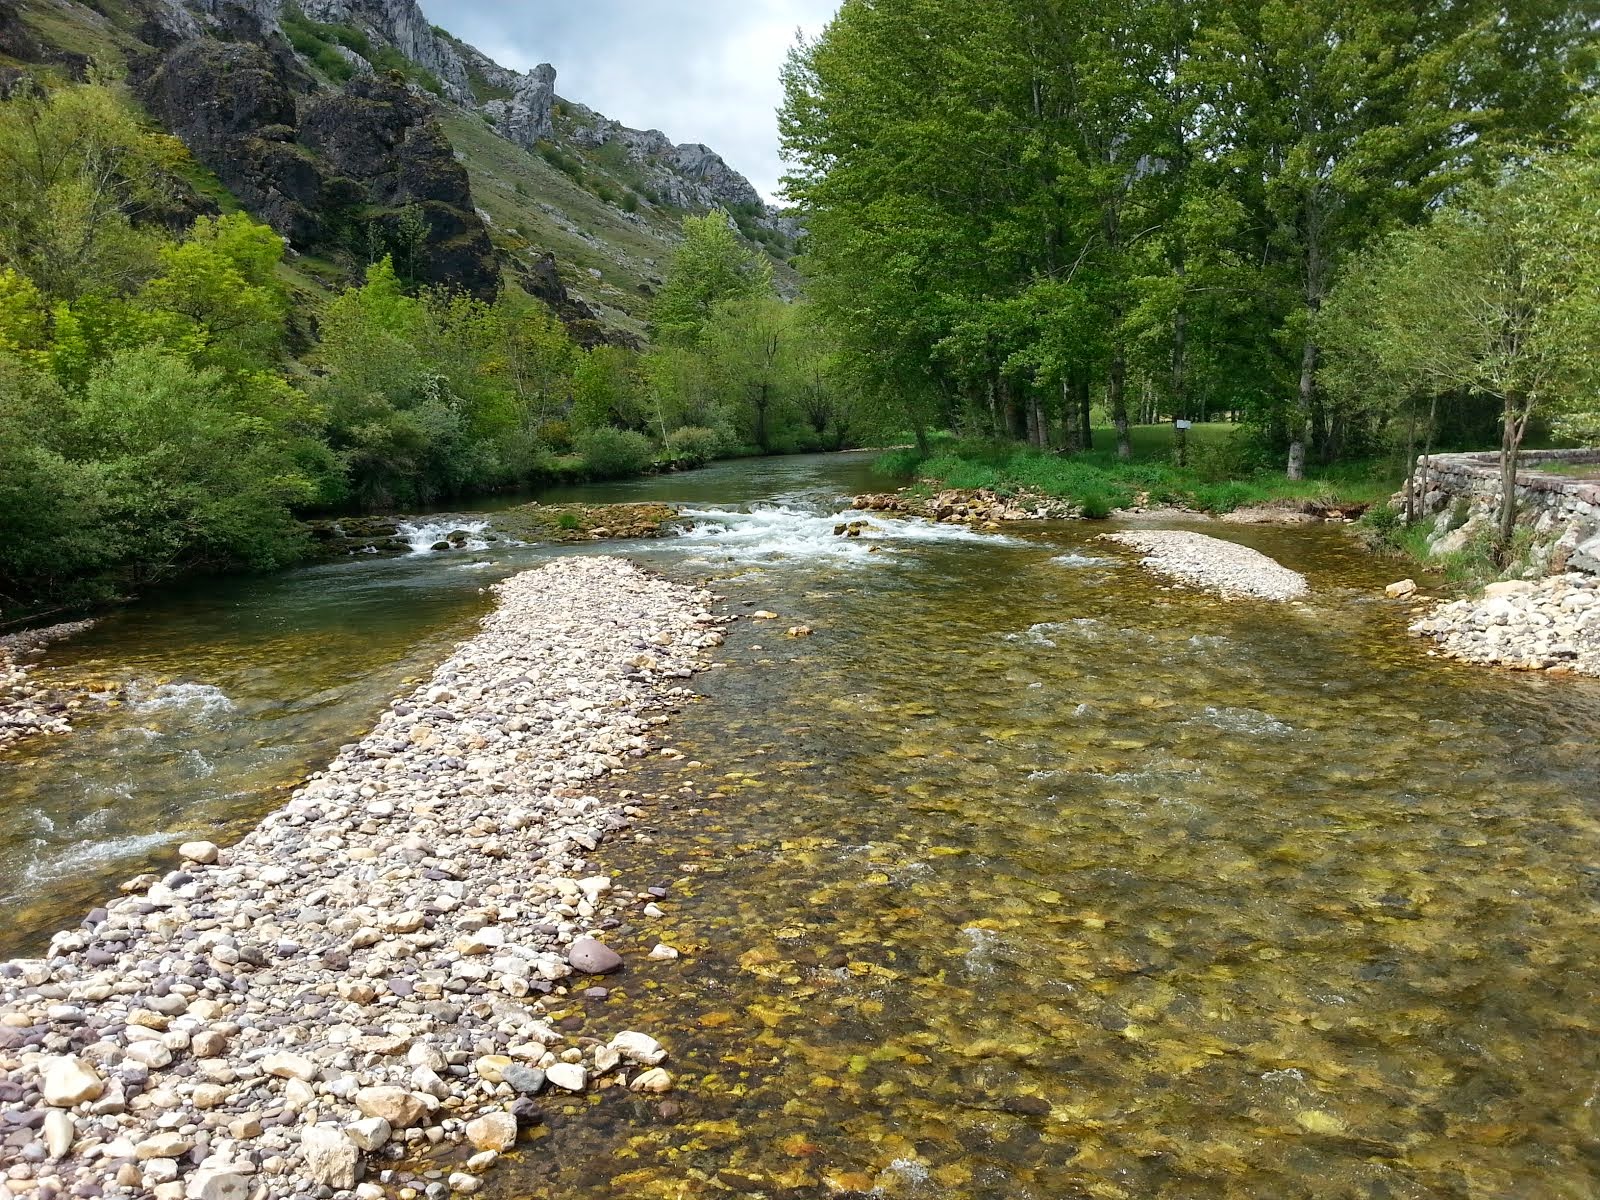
(1025, 876)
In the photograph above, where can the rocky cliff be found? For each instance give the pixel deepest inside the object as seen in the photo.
(356, 127)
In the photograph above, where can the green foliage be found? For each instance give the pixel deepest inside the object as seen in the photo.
(436, 394)
(611, 453)
(558, 158)
(1497, 295)
(692, 446)
(709, 268)
(1016, 208)
(78, 174)
(1099, 481)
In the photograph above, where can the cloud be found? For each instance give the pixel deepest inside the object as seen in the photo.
(702, 71)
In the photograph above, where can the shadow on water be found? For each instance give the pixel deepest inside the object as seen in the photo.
(1025, 876)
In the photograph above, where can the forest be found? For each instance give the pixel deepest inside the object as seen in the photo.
(167, 405)
(1353, 226)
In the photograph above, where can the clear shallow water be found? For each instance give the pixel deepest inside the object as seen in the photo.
(1025, 876)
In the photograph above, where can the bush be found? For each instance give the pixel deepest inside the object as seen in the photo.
(557, 435)
(611, 453)
(1096, 506)
(693, 446)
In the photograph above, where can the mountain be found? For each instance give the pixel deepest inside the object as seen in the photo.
(356, 128)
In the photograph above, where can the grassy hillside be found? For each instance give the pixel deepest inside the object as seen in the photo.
(571, 202)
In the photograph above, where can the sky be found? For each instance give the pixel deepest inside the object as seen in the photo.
(698, 70)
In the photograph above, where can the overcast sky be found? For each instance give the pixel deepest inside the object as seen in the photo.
(699, 70)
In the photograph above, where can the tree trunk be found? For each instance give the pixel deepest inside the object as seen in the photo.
(1510, 444)
(1070, 441)
(1085, 415)
(1180, 376)
(1030, 417)
(1427, 444)
(1411, 468)
(1014, 417)
(921, 432)
(1117, 401)
(1041, 422)
(1300, 423)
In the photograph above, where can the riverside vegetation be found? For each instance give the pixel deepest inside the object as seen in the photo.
(166, 407)
(1363, 230)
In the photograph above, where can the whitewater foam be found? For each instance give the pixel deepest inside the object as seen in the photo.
(776, 533)
(423, 536)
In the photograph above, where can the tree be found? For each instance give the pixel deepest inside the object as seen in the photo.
(746, 343)
(1498, 295)
(709, 267)
(77, 174)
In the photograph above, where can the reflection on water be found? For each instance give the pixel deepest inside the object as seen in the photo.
(1025, 877)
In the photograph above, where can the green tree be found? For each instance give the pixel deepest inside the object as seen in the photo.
(710, 266)
(747, 344)
(77, 173)
(1498, 295)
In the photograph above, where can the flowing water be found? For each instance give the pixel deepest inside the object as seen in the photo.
(1024, 876)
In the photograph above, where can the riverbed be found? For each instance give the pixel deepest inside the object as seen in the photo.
(1026, 875)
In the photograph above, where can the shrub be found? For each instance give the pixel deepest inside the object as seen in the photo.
(611, 453)
(568, 520)
(1382, 522)
(693, 446)
(1096, 506)
(557, 435)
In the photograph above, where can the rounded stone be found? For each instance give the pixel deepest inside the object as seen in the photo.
(593, 957)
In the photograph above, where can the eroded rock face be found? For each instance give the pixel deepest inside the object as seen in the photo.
(309, 163)
(233, 105)
(403, 25)
(527, 118)
(701, 163)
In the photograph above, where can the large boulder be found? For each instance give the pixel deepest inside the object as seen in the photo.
(329, 1157)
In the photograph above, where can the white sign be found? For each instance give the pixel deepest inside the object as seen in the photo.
(1184, 424)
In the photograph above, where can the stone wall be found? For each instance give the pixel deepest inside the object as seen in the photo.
(1461, 493)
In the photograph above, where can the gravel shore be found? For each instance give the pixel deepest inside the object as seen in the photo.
(360, 979)
(1552, 625)
(1213, 564)
(26, 708)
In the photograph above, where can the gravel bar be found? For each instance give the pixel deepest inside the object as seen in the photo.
(360, 981)
(26, 707)
(1549, 625)
(1225, 568)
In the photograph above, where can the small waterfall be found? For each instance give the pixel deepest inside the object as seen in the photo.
(424, 536)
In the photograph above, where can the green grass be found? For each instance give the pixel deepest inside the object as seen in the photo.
(1573, 470)
(1222, 473)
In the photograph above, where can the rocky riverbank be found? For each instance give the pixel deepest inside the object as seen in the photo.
(1551, 625)
(965, 507)
(982, 507)
(26, 706)
(360, 982)
(1217, 566)
(528, 523)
